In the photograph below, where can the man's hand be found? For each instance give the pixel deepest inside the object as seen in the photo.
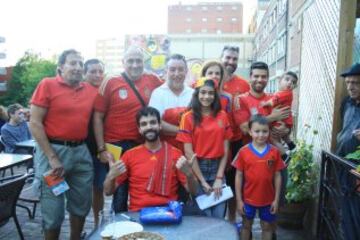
(278, 132)
(274, 207)
(56, 166)
(240, 207)
(116, 168)
(106, 157)
(184, 165)
(279, 113)
(356, 133)
(217, 187)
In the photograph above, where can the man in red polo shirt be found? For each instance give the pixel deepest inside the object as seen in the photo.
(115, 109)
(154, 169)
(233, 86)
(60, 113)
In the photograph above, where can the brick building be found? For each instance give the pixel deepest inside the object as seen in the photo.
(210, 18)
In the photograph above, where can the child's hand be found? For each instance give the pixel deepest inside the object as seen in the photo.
(263, 104)
(274, 207)
(240, 207)
(206, 187)
(217, 187)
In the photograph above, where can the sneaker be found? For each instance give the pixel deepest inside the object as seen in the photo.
(238, 226)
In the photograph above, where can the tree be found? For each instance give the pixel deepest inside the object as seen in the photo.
(27, 73)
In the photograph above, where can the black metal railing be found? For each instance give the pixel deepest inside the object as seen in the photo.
(339, 199)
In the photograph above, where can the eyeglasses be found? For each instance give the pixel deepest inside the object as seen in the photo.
(231, 48)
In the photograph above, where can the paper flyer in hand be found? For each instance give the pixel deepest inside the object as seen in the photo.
(205, 201)
(56, 184)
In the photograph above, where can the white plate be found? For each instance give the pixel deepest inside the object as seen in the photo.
(118, 229)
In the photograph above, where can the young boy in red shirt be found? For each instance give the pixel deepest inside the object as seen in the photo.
(258, 179)
(283, 98)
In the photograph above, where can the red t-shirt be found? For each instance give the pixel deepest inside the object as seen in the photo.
(68, 108)
(258, 171)
(247, 105)
(140, 163)
(207, 138)
(284, 98)
(235, 86)
(173, 116)
(120, 105)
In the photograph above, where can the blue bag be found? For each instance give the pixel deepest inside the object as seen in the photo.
(167, 214)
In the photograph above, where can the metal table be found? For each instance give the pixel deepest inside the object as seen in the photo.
(8, 160)
(191, 228)
(26, 144)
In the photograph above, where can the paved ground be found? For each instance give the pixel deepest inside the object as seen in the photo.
(32, 227)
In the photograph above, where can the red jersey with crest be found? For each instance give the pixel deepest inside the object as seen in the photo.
(208, 137)
(120, 104)
(247, 105)
(234, 87)
(258, 173)
(284, 99)
(140, 162)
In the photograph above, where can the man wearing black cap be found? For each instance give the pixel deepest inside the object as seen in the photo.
(349, 137)
(348, 140)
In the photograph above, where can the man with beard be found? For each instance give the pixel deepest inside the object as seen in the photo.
(172, 98)
(232, 87)
(154, 169)
(248, 104)
(116, 105)
(60, 113)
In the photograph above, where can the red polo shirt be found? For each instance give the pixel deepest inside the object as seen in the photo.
(208, 137)
(119, 103)
(235, 86)
(68, 108)
(258, 171)
(140, 163)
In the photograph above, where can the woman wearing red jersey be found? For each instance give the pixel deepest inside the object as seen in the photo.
(205, 131)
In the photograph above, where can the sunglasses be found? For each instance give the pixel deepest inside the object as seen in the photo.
(231, 48)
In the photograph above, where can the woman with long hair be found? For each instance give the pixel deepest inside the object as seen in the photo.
(205, 131)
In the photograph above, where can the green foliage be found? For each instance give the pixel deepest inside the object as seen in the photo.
(302, 172)
(354, 156)
(27, 73)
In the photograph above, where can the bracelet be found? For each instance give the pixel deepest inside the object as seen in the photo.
(101, 149)
(218, 177)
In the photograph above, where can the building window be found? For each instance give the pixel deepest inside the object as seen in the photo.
(204, 30)
(219, 19)
(188, 8)
(218, 31)
(219, 8)
(204, 19)
(204, 8)
(234, 8)
(188, 19)
(234, 19)
(188, 30)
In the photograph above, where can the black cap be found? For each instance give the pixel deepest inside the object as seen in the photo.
(353, 71)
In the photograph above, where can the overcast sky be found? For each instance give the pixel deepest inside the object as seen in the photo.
(48, 25)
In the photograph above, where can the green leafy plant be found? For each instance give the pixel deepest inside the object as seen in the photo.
(302, 172)
(354, 156)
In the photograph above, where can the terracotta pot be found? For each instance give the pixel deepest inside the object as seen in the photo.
(291, 215)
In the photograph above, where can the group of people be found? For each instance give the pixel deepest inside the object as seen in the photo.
(172, 135)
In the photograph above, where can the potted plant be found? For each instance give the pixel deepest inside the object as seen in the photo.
(300, 187)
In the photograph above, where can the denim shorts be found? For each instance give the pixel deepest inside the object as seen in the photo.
(264, 213)
(100, 171)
